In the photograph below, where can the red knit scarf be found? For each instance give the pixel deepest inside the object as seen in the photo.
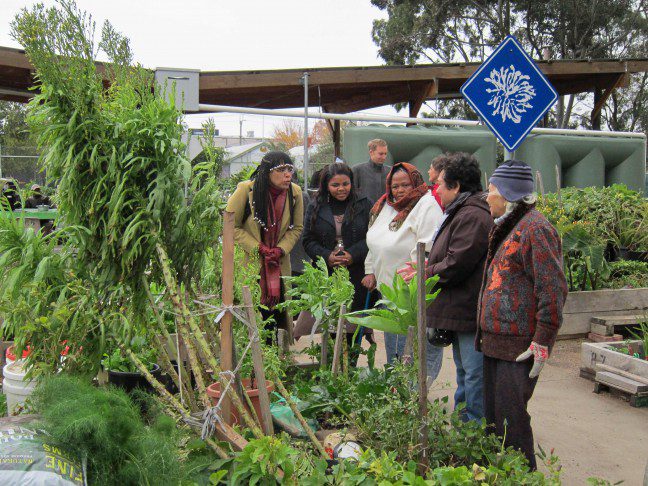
(405, 205)
(270, 253)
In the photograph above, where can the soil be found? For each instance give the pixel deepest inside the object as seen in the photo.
(594, 435)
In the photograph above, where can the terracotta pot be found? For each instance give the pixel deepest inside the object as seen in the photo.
(214, 392)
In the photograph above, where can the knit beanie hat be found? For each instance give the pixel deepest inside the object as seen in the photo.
(513, 179)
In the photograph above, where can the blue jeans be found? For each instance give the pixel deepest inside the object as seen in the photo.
(470, 375)
(395, 347)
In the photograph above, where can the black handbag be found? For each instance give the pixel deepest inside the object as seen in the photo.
(439, 337)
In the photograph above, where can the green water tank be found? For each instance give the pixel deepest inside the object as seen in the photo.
(585, 161)
(419, 145)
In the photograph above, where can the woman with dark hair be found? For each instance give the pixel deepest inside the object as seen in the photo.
(335, 228)
(406, 214)
(268, 219)
(457, 256)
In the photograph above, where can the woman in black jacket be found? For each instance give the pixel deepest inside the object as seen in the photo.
(335, 228)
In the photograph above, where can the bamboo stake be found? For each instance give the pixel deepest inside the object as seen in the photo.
(227, 276)
(201, 342)
(300, 417)
(195, 364)
(339, 336)
(422, 361)
(186, 390)
(257, 361)
(170, 399)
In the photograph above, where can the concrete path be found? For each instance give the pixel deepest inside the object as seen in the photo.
(594, 435)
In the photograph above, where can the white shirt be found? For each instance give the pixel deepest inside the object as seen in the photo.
(390, 250)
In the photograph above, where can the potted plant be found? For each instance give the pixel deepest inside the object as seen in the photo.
(632, 239)
(245, 381)
(123, 373)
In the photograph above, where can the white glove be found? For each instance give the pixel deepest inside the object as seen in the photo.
(540, 354)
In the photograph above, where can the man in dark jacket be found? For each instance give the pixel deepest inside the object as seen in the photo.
(457, 257)
(371, 177)
(521, 303)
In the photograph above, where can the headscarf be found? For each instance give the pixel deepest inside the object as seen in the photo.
(407, 203)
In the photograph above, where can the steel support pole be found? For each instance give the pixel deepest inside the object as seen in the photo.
(305, 80)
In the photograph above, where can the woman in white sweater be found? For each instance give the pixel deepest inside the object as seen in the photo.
(406, 214)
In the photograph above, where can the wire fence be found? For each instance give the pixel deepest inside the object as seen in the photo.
(21, 164)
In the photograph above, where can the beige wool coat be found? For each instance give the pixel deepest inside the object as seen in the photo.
(248, 233)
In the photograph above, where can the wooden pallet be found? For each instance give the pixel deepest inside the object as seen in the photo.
(634, 391)
(605, 325)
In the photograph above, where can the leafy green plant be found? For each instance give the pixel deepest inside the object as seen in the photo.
(117, 361)
(633, 231)
(642, 335)
(591, 221)
(401, 305)
(318, 292)
(628, 273)
(259, 463)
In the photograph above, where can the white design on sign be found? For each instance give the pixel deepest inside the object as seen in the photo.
(511, 93)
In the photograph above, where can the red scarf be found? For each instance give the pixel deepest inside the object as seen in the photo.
(433, 190)
(270, 253)
(407, 203)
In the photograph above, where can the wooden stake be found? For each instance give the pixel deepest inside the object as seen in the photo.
(339, 337)
(422, 351)
(324, 352)
(345, 357)
(408, 352)
(257, 362)
(227, 274)
(558, 185)
(282, 342)
(540, 186)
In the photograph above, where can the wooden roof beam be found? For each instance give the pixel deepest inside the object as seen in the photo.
(428, 91)
(600, 102)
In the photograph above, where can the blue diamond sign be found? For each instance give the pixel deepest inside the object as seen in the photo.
(509, 93)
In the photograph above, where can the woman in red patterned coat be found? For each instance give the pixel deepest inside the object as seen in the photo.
(521, 303)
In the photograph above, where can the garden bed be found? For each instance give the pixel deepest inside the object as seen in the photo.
(593, 354)
(580, 307)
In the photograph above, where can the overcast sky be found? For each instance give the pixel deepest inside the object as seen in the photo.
(217, 35)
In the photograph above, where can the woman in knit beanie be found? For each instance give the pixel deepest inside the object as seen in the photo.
(521, 303)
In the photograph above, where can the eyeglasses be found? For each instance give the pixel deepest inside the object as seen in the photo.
(283, 169)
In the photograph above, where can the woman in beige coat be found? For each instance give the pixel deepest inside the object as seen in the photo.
(268, 220)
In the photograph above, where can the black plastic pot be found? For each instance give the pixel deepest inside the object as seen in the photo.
(129, 381)
(638, 256)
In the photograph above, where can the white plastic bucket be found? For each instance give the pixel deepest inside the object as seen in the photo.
(14, 385)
